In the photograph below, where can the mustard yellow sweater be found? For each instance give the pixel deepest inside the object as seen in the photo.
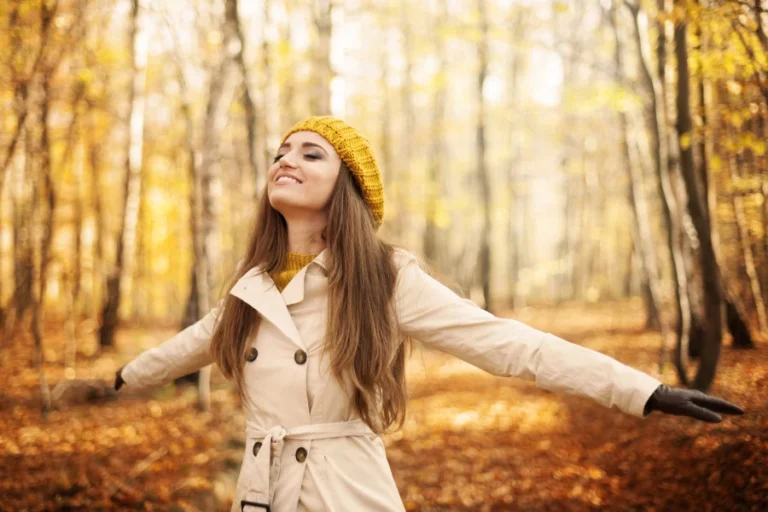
(293, 263)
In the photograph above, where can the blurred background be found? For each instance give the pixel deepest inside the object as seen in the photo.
(594, 168)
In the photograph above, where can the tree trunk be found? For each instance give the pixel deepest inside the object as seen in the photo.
(734, 319)
(401, 178)
(94, 163)
(23, 244)
(567, 249)
(320, 99)
(119, 276)
(592, 206)
(269, 97)
(43, 214)
(288, 115)
(2, 305)
(695, 298)
(75, 161)
(641, 228)
(21, 297)
(385, 134)
(20, 93)
(514, 73)
(192, 310)
(742, 233)
(710, 352)
(434, 178)
(256, 156)
(205, 186)
(484, 261)
(671, 217)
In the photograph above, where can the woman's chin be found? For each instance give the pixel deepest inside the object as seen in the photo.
(290, 206)
(280, 199)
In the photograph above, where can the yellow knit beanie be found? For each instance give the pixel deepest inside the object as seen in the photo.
(355, 151)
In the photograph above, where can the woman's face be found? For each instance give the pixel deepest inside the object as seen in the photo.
(303, 175)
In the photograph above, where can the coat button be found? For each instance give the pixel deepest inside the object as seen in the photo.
(252, 354)
(301, 454)
(300, 357)
(256, 448)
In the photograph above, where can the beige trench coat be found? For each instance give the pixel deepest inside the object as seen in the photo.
(306, 448)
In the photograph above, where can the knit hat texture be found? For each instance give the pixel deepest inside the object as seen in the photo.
(355, 151)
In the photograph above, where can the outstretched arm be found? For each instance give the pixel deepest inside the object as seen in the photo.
(184, 353)
(432, 313)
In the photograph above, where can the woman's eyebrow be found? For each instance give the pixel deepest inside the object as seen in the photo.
(304, 145)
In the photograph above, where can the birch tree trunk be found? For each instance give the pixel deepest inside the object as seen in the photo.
(288, 115)
(484, 256)
(254, 129)
(385, 134)
(206, 188)
(665, 34)
(402, 172)
(198, 301)
(659, 152)
(320, 98)
(269, 99)
(641, 228)
(119, 276)
(436, 144)
(515, 67)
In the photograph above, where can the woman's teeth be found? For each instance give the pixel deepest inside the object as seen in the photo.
(287, 179)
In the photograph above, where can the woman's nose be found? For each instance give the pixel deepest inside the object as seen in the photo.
(287, 160)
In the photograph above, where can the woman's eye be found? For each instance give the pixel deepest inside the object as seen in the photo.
(309, 156)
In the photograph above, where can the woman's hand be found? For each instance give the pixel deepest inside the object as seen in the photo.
(119, 379)
(687, 402)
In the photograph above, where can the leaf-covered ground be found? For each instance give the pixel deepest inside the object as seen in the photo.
(472, 441)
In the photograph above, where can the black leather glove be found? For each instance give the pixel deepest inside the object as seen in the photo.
(119, 379)
(688, 402)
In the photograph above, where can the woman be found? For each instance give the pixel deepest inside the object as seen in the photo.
(312, 333)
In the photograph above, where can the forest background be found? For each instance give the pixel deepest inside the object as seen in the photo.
(597, 169)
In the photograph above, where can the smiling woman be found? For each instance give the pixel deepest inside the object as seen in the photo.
(314, 331)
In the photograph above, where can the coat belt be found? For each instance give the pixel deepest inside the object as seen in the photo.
(265, 469)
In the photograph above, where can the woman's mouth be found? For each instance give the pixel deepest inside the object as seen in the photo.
(286, 180)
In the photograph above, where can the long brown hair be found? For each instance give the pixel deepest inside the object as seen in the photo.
(362, 336)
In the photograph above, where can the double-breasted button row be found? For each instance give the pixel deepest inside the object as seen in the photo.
(301, 453)
(300, 356)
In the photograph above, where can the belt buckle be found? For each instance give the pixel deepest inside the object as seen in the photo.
(243, 503)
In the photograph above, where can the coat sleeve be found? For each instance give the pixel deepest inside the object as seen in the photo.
(430, 312)
(184, 353)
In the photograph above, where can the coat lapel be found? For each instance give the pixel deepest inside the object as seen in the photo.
(258, 290)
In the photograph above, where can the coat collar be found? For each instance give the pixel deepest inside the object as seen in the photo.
(257, 289)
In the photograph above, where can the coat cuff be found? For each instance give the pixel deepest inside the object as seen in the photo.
(130, 379)
(644, 388)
